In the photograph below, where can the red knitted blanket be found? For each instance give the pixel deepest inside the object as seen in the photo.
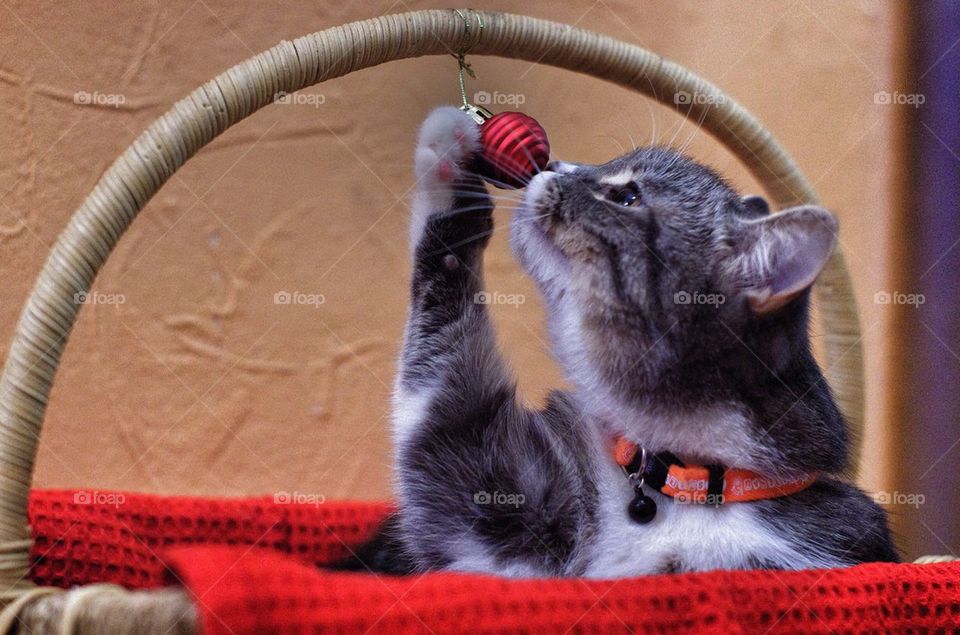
(252, 566)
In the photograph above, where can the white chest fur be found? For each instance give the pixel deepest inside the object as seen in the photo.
(689, 536)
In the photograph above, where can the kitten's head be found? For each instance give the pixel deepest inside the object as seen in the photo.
(658, 276)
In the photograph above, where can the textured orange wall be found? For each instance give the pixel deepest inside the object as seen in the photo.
(198, 381)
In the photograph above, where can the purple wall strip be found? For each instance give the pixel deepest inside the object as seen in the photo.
(931, 454)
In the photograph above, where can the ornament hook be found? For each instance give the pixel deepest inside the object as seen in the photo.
(463, 66)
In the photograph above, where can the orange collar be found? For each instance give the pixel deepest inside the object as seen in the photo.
(712, 484)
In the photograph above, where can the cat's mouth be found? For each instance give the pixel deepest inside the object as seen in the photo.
(532, 219)
(534, 246)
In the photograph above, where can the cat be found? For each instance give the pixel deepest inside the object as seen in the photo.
(679, 312)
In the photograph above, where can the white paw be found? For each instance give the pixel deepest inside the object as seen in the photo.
(449, 140)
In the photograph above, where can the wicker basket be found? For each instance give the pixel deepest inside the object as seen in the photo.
(194, 121)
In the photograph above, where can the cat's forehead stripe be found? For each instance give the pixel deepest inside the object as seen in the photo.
(620, 178)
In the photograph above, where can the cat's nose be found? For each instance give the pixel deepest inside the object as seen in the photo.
(561, 167)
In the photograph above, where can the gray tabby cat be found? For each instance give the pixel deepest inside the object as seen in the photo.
(679, 312)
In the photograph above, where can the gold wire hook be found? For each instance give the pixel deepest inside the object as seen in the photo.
(467, 27)
(463, 67)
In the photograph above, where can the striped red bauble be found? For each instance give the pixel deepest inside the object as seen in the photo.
(515, 148)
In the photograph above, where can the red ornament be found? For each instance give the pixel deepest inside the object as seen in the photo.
(515, 148)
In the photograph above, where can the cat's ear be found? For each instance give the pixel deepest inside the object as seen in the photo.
(778, 257)
(756, 205)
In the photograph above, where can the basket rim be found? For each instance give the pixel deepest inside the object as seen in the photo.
(138, 173)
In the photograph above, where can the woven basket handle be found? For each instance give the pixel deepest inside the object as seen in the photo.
(194, 121)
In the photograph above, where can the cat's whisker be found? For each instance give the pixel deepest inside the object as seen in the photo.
(531, 219)
(653, 125)
(485, 233)
(630, 137)
(507, 198)
(460, 190)
(678, 152)
(521, 176)
(516, 173)
(465, 241)
(617, 142)
(502, 200)
(461, 210)
(680, 125)
(693, 134)
(536, 168)
(686, 144)
(498, 183)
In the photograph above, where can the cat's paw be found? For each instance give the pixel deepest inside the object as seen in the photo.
(449, 140)
(448, 143)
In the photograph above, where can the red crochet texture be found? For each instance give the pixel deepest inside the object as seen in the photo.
(252, 566)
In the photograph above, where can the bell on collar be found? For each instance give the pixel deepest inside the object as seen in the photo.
(642, 508)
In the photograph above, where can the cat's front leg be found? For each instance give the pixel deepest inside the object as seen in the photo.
(483, 483)
(448, 326)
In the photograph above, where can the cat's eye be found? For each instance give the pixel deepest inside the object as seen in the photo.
(626, 195)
